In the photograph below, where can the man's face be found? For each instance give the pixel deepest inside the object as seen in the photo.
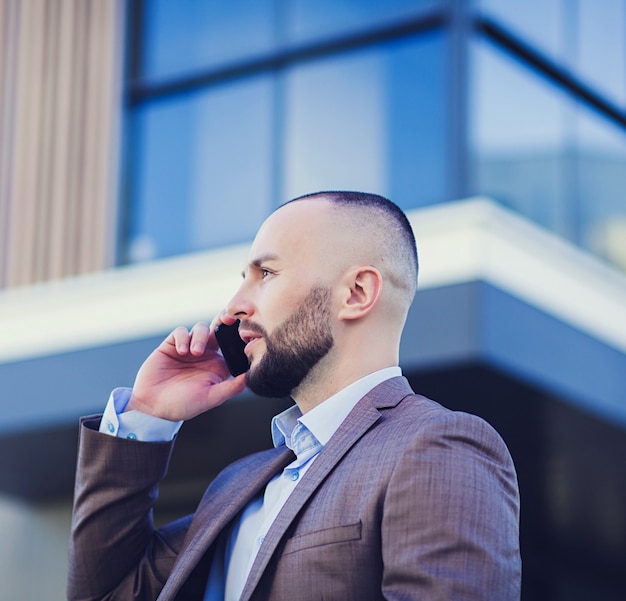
(293, 348)
(285, 301)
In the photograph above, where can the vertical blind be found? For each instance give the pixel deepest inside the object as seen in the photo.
(60, 80)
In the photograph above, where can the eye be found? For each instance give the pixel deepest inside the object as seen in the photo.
(265, 272)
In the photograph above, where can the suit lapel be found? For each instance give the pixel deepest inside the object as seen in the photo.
(227, 495)
(364, 415)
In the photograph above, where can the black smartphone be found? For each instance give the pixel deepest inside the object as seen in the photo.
(232, 347)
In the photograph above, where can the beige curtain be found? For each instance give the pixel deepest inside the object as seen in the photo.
(60, 104)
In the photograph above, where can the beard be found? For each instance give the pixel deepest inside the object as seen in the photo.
(294, 348)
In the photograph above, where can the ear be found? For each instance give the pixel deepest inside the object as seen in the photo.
(363, 287)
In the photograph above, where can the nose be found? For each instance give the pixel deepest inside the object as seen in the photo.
(240, 305)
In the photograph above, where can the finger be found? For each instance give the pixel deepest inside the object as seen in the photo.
(222, 318)
(180, 338)
(217, 320)
(199, 337)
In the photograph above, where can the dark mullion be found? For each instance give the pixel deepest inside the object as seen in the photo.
(558, 75)
(139, 91)
(135, 41)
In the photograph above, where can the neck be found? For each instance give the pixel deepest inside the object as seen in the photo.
(331, 375)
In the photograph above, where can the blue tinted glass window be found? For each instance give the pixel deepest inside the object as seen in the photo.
(204, 165)
(587, 37)
(184, 36)
(544, 154)
(371, 120)
(542, 23)
(519, 131)
(318, 18)
(601, 47)
(601, 186)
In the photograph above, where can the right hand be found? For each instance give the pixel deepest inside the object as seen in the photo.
(184, 376)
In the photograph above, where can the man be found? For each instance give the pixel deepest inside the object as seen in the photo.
(372, 492)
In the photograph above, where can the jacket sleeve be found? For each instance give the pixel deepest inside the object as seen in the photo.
(451, 516)
(115, 552)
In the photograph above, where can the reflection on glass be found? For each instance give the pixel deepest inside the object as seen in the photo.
(601, 184)
(204, 173)
(586, 36)
(602, 46)
(189, 35)
(371, 120)
(317, 18)
(519, 133)
(539, 152)
(542, 23)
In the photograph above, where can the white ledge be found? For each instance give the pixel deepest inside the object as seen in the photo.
(458, 242)
(477, 239)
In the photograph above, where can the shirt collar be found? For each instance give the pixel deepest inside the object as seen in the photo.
(324, 419)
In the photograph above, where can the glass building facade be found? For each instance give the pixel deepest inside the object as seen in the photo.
(236, 107)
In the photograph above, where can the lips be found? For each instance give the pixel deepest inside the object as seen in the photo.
(249, 337)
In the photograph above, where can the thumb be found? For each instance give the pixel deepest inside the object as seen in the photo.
(224, 390)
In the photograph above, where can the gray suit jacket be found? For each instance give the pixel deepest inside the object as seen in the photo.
(407, 501)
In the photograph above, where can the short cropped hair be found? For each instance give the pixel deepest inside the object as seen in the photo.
(387, 223)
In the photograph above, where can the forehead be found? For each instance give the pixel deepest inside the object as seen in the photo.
(296, 229)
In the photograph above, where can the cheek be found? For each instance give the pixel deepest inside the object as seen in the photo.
(278, 303)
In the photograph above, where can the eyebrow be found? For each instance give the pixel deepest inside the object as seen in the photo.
(261, 260)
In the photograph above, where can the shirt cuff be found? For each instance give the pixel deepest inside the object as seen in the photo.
(135, 425)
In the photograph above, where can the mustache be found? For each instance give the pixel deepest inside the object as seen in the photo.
(252, 327)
